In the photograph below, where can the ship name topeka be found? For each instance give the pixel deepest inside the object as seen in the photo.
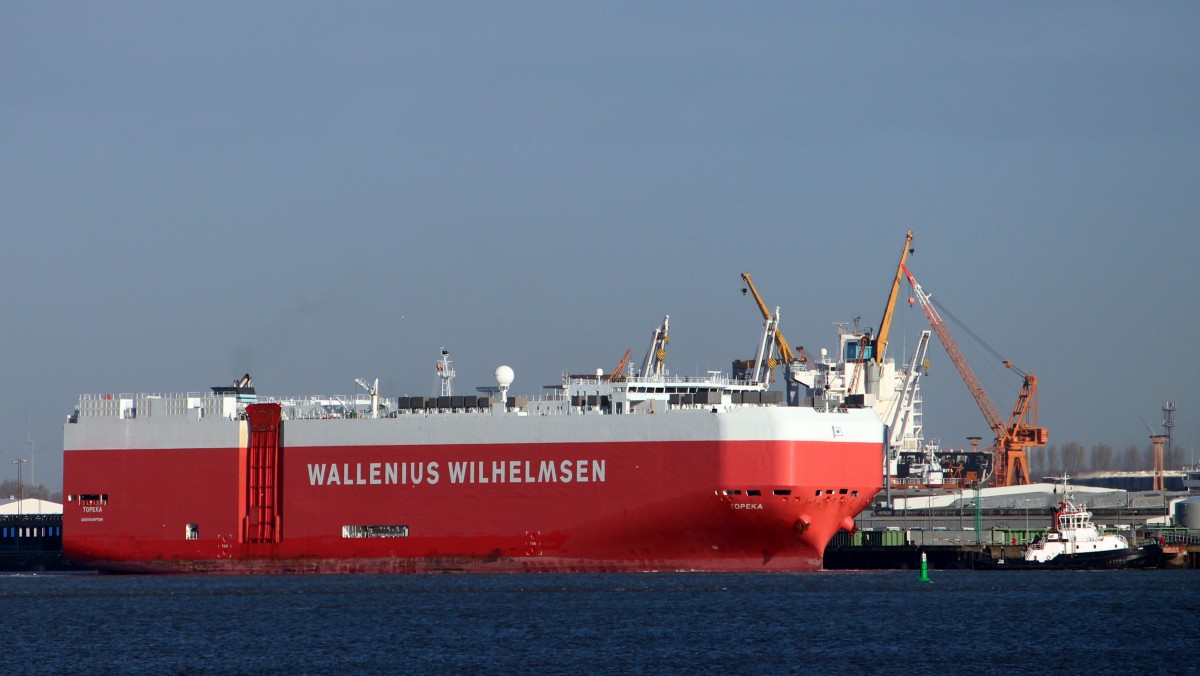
(457, 472)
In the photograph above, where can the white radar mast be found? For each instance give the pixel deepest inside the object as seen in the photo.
(504, 378)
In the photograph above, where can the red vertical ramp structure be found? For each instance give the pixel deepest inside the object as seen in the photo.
(260, 475)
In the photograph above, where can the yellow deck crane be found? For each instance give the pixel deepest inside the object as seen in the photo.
(781, 343)
(791, 361)
(885, 325)
(872, 351)
(1021, 431)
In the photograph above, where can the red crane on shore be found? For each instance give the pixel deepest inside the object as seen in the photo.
(1021, 431)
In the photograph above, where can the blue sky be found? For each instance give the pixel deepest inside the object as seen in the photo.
(316, 192)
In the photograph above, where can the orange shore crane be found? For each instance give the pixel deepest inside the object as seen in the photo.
(1021, 431)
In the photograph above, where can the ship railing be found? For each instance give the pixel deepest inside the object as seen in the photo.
(123, 405)
(1174, 535)
(358, 407)
(108, 396)
(711, 380)
(315, 407)
(655, 380)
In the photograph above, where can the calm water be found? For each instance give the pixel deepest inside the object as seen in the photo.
(1116, 622)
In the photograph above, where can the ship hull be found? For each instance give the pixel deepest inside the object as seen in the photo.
(1147, 556)
(759, 490)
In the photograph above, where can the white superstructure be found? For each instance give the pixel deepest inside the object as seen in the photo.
(1073, 534)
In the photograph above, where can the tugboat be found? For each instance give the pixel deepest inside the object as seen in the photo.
(1074, 542)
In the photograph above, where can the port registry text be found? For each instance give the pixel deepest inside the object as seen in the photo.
(463, 472)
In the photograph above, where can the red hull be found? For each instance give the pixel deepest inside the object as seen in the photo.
(639, 518)
(717, 505)
(298, 566)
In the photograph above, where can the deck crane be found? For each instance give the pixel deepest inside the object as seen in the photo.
(373, 392)
(781, 343)
(872, 350)
(885, 325)
(791, 361)
(1021, 431)
(617, 372)
(654, 365)
(905, 419)
(905, 431)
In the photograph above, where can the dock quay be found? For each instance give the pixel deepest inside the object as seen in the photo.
(33, 543)
(901, 550)
(956, 529)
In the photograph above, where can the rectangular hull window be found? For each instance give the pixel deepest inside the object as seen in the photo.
(374, 531)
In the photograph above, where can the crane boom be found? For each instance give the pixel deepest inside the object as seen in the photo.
(872, 349)
(616, 372)
(780, 342)
(1021, 430)
(902, 419)
(989, 410)
(654, 366)
(885, 325)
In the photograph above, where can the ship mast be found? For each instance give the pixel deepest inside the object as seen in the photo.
(445, 371)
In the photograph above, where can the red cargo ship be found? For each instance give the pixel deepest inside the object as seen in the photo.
(612, 473)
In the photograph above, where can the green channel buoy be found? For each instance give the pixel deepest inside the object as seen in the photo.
(924, 569)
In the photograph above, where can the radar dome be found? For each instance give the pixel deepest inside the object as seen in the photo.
(504, 376)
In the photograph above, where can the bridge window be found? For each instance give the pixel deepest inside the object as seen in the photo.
(852, 351)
